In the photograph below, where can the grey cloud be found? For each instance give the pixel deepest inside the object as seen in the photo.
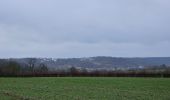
(53, 27)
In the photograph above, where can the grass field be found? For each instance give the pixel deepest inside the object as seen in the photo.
(84, 88)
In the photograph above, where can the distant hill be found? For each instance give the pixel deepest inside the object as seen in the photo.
(100, 62)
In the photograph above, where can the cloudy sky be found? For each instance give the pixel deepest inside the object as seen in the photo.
(83, 28)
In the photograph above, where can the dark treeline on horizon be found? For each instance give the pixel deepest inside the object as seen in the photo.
(10, 68)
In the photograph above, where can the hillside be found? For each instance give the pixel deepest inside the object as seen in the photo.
(100, 62)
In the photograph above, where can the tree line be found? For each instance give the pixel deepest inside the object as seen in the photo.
(12, 68)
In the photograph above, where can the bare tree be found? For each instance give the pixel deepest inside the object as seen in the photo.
(42, 68)
(31, 63)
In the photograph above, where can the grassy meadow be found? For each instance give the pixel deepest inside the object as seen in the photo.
(84, 88)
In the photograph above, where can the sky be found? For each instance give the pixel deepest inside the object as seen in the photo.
(84, 28)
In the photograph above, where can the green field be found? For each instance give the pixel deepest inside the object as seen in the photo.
(84, 88)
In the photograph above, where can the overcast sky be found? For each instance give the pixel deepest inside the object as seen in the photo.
(83, 28)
